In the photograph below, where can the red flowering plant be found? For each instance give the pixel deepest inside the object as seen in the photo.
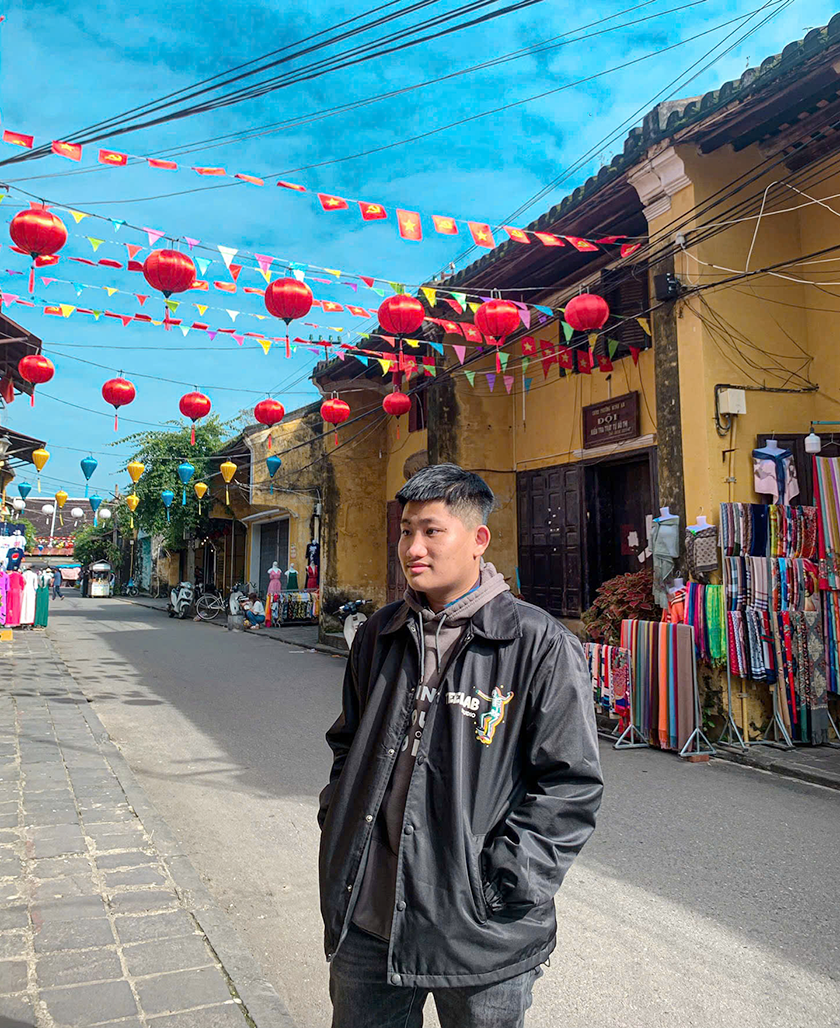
(621, 598)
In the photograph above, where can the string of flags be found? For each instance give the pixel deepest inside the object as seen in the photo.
(409, 222)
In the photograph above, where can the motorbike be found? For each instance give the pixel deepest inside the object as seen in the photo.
(130, 588)
(237, 594)
(350, 613)
(180, 600)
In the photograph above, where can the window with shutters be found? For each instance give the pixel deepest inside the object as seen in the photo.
(417, 417)
(627, 292)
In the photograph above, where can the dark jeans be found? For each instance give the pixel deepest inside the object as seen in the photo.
(57, 590)
(255, 619)
(362, 997)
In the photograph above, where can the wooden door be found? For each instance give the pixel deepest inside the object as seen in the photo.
(396, 579)
(550, 543)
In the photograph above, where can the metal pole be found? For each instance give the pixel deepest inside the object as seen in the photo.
(52, 525)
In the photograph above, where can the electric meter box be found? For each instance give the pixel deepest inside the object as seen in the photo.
(732, 401)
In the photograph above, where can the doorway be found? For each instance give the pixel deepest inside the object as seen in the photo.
(620, 494)
(274, 546)
(396, 578)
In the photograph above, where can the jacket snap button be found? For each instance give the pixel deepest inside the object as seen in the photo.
(349, 888)
(391, 753)
(409, 830)
(368, 817)
(401, 906)
(395, 979)
(421, 760)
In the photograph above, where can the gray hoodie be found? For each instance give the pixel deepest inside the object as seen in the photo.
(440, 633)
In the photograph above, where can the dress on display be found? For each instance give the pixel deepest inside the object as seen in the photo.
(312, 577)
(42, 602)
(292, 580)
(275, 581)
(4, 585)
(27, 607)
(14, 595)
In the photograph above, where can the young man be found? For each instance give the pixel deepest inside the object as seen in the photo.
(56, 584)
(465, 780)
(254, 611)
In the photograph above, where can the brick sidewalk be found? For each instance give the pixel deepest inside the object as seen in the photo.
(101, 916)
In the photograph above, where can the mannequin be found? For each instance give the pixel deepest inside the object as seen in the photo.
(275, 580)
(292, 579)
(700, 524)
(664, 512)
(701, 549)
(313, 553)
(665, 547)
(774, 471)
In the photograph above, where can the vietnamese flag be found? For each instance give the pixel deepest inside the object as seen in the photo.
(516, 234)
(547, 239)
(18, 138)
(72, 151)
(332, 203)
(565, 359)
(445, 226)
(584, 362)
(162, 165)
(529, 346)
(291, 185)
(253, 179)
(410, 225)
(119, 160)
(331, 307)
(581, 244)
(629, 248)
(372, 211)
(471, 332)
(358, 312)
(210, 171)
(482, 236)
(604, 362)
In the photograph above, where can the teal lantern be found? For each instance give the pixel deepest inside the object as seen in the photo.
(95, 502)
(88, 466)
(185, 473)
(24, 488)
(167, 496)
(273, 465)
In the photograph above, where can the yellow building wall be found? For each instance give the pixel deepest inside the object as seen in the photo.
(756, 331)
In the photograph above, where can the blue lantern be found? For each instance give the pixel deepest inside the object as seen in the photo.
(185, 473)
(88, 466)
(95, 502)
(273, 465)
(24, 488)
(167, 496)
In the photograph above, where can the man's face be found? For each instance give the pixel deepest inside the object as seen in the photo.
(439, 553)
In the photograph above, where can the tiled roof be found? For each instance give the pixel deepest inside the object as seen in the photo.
(664, 121)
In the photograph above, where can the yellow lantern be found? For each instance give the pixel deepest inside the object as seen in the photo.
(228, 470)
(200, 490)
(60, 499)
(135, 469)
(39, 459)
(131, 501)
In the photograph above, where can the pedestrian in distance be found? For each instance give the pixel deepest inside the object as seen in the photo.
(254, 611)
(56, 584)
(465, 780)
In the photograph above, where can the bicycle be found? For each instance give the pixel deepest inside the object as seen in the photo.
(209, 606)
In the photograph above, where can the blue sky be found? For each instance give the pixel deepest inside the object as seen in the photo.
(64, 66)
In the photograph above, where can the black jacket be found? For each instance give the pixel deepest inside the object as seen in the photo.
(503, 795)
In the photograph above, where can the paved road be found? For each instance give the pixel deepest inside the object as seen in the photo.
(707, 896)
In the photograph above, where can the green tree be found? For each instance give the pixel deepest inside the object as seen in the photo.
(162, 451)
(29, 532)
(93, 543)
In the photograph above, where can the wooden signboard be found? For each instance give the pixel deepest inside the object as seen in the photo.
(611, 421)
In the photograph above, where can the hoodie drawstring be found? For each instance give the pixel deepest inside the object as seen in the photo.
(421, 629)
(437, 640)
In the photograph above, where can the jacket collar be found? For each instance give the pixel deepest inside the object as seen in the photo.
(498, 619)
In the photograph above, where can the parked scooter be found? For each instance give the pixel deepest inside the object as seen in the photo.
(237, 594)
(130, 588)
(350, 613)
(180, 600)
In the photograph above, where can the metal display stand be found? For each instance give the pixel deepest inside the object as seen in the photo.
(694, 743)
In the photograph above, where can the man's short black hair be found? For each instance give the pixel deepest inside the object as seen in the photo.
(468, 496)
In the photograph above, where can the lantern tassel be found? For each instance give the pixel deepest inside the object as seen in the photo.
(116, 421)
(131, 519)
(398, 428)
(199, 508)
(87, 486)
(192, 435)
(32, 276)
(167, 515)
(39, 481)
(184, 497)
(593, 339)
(271, 488)
(288, 345)
(227, 495)
(60, 519)
(269, 440)
(498, 363)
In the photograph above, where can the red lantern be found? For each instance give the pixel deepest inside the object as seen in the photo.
(335, 411)
(194, 406)
(37, 232)
(169, 271)
(288, 299)
(118, 392)
(497, 319)
(587, 313)
(397, 404)
(269, 412)
(35, 369)
(401, 315)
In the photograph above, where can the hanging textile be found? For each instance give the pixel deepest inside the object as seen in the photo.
(609, 667)
(662, 669)
(42, 602)
(775, 475)
(701, 550)
(827, 485)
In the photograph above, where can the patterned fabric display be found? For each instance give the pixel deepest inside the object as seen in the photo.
(701, 548)
(609, 667)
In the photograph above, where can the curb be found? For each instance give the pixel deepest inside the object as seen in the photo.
(263, 1005)
(760, 758)
(332, 651)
